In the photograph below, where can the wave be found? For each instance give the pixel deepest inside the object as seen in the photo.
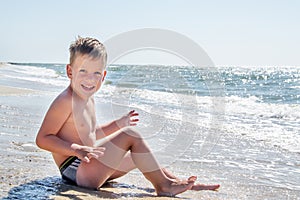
(274, 124)
(37, 75)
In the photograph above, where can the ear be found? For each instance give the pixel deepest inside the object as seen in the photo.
(69, 70)
(104, 74)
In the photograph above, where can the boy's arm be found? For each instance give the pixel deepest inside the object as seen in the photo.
(56, 116)
(54, 120)
(126, 120)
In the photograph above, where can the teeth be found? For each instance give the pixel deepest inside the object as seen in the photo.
(88, 87)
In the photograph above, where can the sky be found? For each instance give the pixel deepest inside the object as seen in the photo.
(231, 32)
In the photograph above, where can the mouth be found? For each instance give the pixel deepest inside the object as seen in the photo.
(88, 88)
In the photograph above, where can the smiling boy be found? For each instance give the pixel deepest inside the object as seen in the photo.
(69, 131)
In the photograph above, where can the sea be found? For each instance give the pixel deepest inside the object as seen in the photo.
(233, 125)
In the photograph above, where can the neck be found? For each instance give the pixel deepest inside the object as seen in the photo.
(79, 98)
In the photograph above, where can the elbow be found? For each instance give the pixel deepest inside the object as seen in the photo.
(39, 141)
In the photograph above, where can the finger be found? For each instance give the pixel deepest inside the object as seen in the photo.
(132, 111)
(86, 159)
(134, 121)
(134, 114)
(75, 146)
(98, 152)
(81, 148)
(86, 149)
(92, 155)
(100, 148)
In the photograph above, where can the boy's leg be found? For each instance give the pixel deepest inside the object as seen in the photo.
(95, 173)
(127, 165)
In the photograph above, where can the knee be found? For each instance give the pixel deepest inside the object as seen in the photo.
(131, 132)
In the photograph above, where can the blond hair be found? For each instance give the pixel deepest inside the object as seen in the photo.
(87, 46)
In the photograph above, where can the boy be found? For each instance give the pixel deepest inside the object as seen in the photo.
(70, 133)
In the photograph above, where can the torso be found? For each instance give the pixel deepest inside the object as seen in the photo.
(79, 128)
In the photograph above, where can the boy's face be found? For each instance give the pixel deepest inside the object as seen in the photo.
(86, 75)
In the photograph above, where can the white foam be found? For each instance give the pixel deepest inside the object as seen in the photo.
(34, 74)
(275, 124)
(35, 71)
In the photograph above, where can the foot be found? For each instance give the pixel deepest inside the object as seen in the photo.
(176, 187)
(195, 187)
(198, 187)
(170, 175)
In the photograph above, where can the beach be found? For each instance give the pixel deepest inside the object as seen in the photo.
(253, 154)
(30, 173)
(6, 90)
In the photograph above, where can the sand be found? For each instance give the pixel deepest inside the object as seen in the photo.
(3, 63)
(32, 175)
(29, 173)
(7, 90)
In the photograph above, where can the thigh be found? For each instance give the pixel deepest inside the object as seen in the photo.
(97, 171)
(92, 174)
(125, 166)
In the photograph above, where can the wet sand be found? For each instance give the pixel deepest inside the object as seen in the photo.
(7, 90)
(29, 173)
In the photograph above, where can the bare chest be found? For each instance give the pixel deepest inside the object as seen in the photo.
(82, 121)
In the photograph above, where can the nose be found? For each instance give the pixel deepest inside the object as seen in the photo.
(92, 78)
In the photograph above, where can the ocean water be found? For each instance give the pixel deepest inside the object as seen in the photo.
(242, 120)
(258, 102)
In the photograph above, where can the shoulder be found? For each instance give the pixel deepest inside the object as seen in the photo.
(63, 101)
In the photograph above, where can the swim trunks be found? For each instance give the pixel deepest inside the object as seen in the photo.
(68, 169)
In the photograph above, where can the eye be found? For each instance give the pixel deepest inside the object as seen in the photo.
(82, 70)
(98, 73)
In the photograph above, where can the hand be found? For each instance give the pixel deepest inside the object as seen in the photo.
(86, 153)
(128, 120)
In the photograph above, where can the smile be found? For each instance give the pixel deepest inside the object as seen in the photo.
(88, 88)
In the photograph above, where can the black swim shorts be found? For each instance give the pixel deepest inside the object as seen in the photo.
(68, 169)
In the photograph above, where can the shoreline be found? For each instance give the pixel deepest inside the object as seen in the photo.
(8, 91)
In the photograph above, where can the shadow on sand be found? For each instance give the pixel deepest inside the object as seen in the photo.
(55, 188)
